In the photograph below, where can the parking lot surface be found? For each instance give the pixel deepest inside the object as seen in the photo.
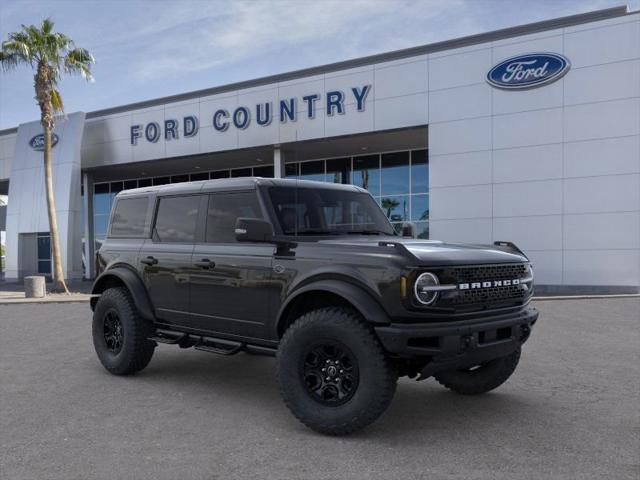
(570, 411)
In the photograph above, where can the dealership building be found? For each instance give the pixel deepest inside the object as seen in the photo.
(529, 134)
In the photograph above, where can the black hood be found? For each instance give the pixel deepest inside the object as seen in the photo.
(435, 252)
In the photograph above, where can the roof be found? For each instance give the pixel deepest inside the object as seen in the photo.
(230, 184)
(510, 32)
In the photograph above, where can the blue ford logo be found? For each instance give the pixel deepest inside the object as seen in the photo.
(528, 71)
(37, 142)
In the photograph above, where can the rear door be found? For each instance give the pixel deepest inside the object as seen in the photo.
(165, 259)
(230, 292)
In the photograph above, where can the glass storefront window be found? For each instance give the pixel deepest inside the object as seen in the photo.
(264, 172)
(161, 180)
(179, 178)
(312, 171)
(144, 182)
(419, 171)
(129, 184)
(422, 230)
(366, 173)
(395, 173)
(419, 207)
(291, 170)
(338, 170)
(220, 174)
(241, 172)
(196, 177)
(396, 208)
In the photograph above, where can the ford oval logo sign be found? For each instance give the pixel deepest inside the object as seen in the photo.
(528, 71)
(37, 142)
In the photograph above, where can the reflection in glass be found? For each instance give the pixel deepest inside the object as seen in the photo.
(396, 208)
(366, 173)
(419, 171)
(419, 207)
(291, 170)
(100, 224)
(312, 171)
(395, 173)
(422, 230)
(338, 170)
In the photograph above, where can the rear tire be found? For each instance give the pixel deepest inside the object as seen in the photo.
(358, 381)
(120, 334)
(482, 379)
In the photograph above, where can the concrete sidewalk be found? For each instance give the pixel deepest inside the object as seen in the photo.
(12, 293)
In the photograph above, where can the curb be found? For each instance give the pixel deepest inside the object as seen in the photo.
(585, 297)
(22, 301)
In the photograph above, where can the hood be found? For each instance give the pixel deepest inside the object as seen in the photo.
(435, 252)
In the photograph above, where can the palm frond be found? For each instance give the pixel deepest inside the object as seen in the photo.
(56, 101)
(79, 61)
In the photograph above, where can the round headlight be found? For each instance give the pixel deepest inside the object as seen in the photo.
(423, 288)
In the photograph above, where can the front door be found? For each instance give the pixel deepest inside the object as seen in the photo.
(166, 257)
(230, 293)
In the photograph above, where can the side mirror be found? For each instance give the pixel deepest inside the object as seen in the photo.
(408, 230)
(253, 230)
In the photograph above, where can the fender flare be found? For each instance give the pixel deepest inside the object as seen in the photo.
(362, 301)
(134, 284)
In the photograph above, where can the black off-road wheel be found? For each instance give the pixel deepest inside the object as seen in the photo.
(120, 334)
(333, 373)
(481, 378)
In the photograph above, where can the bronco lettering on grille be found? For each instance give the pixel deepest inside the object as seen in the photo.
(493, 283)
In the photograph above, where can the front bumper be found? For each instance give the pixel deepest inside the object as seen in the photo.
(451, 345)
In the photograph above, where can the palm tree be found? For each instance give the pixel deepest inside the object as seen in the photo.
(50, 55)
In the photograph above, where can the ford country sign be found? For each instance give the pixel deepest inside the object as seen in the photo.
(37, 142)
(528, 71)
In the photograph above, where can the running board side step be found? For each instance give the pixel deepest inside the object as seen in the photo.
(217, 345)
(167, 336)
(221, 346)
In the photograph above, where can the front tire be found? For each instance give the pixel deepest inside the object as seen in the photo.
(480, 379)
(333, 373)
(120, 334)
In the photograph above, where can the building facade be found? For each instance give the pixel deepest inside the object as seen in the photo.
(529, 134)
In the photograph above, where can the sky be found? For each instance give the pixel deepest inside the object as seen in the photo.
(150, 49)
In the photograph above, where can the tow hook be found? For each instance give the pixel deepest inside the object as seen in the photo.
(468, 342)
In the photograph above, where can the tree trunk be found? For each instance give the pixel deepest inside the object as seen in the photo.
(59, 284)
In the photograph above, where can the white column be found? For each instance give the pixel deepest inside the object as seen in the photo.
(87, 222)
(278, 163)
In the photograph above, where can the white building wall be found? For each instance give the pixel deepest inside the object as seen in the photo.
(554, 169)
(7, 152)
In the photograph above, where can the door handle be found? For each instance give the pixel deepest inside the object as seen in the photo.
(205, 263)
(149, 260)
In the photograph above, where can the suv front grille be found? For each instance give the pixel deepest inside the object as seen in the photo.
(481, 273)
(486, 297)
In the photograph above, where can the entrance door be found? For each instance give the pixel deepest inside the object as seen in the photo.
(165, 259)
(230, 293)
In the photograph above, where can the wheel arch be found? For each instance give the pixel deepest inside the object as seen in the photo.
(121, 276)
(324, 293)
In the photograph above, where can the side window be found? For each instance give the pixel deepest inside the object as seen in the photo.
(129, 217)
(224, 210)
(176, 219)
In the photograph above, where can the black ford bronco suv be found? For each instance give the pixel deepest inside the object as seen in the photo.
(314, 274)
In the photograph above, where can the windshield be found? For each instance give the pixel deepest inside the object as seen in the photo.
(324, 211)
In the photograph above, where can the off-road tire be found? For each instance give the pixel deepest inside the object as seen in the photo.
(482, 379)
(136, 350)
(377, 376)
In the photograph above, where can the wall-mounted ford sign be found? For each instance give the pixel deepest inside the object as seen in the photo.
(37, 142)
(528, 71)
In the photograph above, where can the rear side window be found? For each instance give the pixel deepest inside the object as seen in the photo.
(224, 210)
(176, 219)
(129, 217)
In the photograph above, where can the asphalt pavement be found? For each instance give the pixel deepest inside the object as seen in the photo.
(571, 411)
